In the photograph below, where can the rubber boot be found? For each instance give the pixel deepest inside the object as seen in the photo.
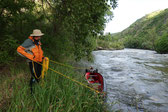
(32, 81)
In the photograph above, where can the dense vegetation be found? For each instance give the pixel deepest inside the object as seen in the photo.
(162, 44)
(148, 32)
(70, 28)
(108, 42)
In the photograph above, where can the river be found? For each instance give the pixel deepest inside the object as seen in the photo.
(136, 80)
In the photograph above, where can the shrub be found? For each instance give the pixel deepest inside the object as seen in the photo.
(161, 45)
(147, 45)
(8, 50)
(131, 42)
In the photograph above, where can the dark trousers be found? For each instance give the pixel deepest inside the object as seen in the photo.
(35, 70)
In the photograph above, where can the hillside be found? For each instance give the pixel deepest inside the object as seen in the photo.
(145, 32)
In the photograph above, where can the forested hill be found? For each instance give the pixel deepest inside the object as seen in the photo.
(147, 31)
(157, 21)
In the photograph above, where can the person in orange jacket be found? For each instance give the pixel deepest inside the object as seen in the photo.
(31, 49)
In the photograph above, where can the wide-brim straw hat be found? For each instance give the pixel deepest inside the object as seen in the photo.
(37, 32)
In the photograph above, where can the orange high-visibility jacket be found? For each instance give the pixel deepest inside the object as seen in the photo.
(31, 50)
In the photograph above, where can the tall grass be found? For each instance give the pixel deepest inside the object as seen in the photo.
(54, 94)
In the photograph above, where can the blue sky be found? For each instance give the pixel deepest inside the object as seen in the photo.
(128, 11)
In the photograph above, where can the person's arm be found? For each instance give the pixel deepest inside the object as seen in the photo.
(21, 49)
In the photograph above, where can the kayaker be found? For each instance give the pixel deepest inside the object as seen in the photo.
(94, 78)
(91, 70)
(31, 49)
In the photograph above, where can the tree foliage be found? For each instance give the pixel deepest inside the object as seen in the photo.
(82, 20)
(70, 27)
(108, 41)
(162, 44)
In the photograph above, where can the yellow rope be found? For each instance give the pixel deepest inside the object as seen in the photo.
(70, 79)
(35, 71)
(67, 65)
(45, 67)
(74, 80)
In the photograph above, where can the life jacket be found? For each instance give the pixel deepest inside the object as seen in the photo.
(96, 78)
(31, 50)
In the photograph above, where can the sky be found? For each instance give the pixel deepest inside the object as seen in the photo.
(128, 11)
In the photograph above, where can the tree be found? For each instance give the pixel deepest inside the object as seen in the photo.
(153, 35)
(80, 20)
(70, 26)
(162, 44)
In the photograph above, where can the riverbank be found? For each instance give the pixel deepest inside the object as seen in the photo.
(101, 48)
(109, 45)
(55, 93)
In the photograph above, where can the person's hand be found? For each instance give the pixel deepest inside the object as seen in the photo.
(45, 58)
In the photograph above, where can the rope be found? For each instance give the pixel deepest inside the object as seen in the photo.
(45, 67)
(69, 66)
(74, 80)
(35, 70)
(70, 78)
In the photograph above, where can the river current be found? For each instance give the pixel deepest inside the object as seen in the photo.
(136, 80)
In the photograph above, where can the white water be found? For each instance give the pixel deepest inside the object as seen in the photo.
(135, 79)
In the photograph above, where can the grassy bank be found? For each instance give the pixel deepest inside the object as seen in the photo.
(55, 93)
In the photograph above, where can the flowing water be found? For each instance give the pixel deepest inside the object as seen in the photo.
(136, 80)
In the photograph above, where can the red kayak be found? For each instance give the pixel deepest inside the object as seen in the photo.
(95, 79)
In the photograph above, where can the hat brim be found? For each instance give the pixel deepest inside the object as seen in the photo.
(37, 34)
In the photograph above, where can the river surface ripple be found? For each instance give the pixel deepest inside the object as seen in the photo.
(136, 80)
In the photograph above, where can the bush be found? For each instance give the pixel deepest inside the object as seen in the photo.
(102, 43)
(117, 45)
(131, 42)
(8, 50)
(109, 42)
(140, 42)
(147, 45)
(162, 44)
